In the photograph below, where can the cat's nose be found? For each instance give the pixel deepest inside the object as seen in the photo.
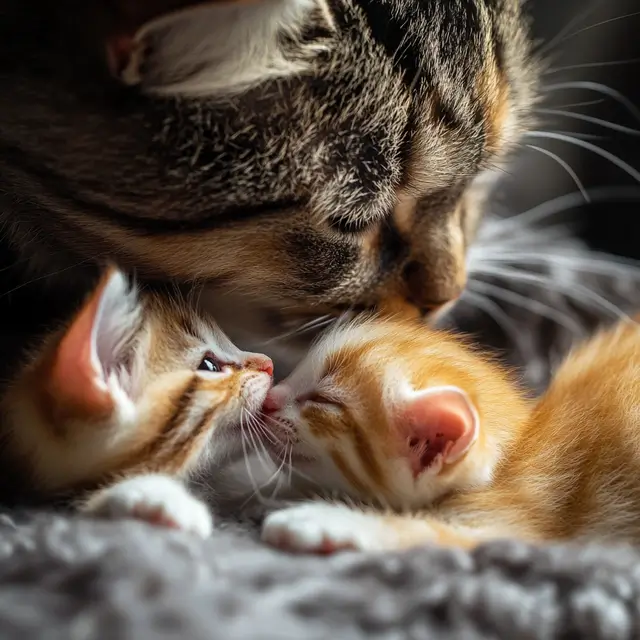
(429, 295)
(260, 362)
(276, 399)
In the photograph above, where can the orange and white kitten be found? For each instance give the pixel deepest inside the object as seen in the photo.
(389, 412)
(134, 394)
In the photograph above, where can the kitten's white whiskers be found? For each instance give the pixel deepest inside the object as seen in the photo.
(247, 464)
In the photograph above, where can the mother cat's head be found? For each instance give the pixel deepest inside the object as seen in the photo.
(313, 154)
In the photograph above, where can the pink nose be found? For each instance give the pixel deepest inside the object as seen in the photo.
(260, 363)
(276, 399)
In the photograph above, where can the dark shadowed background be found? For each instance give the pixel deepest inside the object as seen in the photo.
(594, 50)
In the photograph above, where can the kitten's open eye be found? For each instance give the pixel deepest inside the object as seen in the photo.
(210, 363)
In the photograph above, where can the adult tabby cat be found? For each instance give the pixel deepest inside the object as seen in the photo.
(312, 155)
(390, 413)
(134, 390)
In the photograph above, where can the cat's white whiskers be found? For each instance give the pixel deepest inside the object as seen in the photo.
(564, 32)
(566, 166)
(497, 228)
(591, 120)
(254, 444)
(256, 487)
(548, 282)
(579, 136)
(596, 25)
(584, 144)
(257, 493)
(582, 103)
(261, 429)
(605, 265)
(601, 88)
(525, 302)
(259, 447)
(314, 323)
(590, 65)
(494, 311)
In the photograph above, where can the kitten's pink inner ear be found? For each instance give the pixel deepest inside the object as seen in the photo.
(440, 425)
(77, 380)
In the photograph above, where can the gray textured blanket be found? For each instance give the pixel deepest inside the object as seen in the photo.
(79, 580)
(72, 579)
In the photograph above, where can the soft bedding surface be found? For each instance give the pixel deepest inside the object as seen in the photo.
(72, 579)
(67, 579)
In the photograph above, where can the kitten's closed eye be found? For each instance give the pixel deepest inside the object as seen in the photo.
(320, 398)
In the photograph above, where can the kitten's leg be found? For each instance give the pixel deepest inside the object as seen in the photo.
(321, 527)
(154, 498)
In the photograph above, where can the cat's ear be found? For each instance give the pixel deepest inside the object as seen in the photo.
(209, 47)
(440, 424)
(90, 360)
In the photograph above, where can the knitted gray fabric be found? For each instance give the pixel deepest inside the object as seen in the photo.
(69, 579)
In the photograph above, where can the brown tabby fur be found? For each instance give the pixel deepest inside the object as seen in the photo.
(563, 468)
(350, 171)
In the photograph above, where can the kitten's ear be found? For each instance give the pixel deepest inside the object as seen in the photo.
(88, 362)
(440, 425)
(209, 47)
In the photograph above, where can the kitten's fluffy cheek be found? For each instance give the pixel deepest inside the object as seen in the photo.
(316, 464)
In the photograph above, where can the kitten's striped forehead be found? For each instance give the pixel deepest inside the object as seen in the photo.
(181, 336)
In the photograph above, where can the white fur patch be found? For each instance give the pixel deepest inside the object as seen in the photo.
(156, 499)
(320, 527)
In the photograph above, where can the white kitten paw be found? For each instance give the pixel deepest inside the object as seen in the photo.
(156, 499)
(320, 527)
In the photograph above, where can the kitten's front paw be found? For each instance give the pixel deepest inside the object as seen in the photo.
(319, 527)
(156, 499)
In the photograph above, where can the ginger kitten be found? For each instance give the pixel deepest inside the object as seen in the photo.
(135, 391)
(394, 414)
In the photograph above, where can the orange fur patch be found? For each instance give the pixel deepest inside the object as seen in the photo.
(494, 93)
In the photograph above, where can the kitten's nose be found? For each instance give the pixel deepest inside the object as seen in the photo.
(260, 363)
(276, 399)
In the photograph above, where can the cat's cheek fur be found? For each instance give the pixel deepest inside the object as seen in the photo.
(156, 499)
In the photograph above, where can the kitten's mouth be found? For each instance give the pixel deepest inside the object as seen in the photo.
(279, 439)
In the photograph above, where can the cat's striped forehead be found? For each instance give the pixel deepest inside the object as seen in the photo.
(343, 171)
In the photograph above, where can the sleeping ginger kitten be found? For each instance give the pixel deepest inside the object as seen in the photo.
(134, 393)
(389, 412)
